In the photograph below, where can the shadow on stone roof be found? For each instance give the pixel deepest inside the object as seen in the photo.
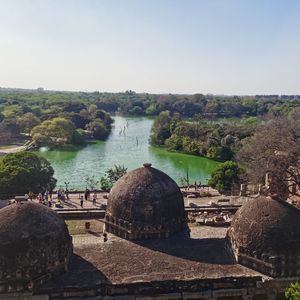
(120, 261)
(81, 272)
(207, 250)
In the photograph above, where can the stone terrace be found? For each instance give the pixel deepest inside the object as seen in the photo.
(122, 264)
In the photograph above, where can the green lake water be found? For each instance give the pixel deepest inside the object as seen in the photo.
(128, 145)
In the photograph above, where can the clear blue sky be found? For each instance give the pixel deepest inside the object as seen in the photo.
(158, 46)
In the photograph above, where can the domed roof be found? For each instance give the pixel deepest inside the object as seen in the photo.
(267, 230)
(147, 202)
(34, 245)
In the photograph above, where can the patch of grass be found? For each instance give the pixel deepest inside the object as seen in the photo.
(78, 226)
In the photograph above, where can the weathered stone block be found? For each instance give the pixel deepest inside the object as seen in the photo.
(123, 297)
(229, 292)
(161, 297)
(23, 297)
(196, 295)
(117, 290)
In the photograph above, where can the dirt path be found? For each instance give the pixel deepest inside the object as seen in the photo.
(12, 149)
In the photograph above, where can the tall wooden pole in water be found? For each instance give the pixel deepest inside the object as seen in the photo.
(187, 176)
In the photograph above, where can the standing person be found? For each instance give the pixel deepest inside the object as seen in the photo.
(40, 198)
(105, 237)
(50, 194)
(30, 195)
(94, 198)
(67, 194)
(86, 194)
(58, 194)
(81, 201)
(63, 195)
(46, 195)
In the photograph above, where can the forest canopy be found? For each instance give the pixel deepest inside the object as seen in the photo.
(22, 110)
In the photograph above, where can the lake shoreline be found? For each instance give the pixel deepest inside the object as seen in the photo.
(128, 145)
(187, 153)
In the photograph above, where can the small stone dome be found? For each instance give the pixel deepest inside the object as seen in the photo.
(145, 203)
(35, 245)
(265, 235)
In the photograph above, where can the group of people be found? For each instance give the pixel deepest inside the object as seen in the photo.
(62, 194)
(87, 197)
(44, 197)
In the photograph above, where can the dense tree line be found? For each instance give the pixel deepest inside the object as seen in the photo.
(270, 147)
(270, 156)
(12, 102)
(214, 140)
(50, 121)
(22, 110)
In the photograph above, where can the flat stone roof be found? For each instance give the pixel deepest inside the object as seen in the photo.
(119, 261)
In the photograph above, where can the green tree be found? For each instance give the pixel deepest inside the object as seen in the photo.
(23, 172)
(225, 175)
(293, 291)
(111, 176)
(91, 182)
(163, 127)
(27, 122)
(10, 126)
(79, 137)
(174, 143)
(221, 153)
(78, 120)
(58, 131)
(104, 117)
(136, 111)
(105, 184)
(98, 129)
(5, 135)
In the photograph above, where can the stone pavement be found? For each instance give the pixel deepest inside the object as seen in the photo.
(196, 233)
(87, 239)
(74, 201)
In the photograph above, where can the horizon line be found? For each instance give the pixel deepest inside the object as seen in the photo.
(42, 89)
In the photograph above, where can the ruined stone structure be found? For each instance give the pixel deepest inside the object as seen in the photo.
(144, 259)
(265, 236)
(143, 204)
(34, 246)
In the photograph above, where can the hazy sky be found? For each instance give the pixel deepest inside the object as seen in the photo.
(159, 46)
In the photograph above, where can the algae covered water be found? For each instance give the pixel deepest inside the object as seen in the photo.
(128, 145)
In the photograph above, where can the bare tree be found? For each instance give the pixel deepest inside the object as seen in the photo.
(274, 150)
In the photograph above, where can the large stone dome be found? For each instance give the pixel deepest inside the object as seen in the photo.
(35, 245)
(265, 235)
(145, 203)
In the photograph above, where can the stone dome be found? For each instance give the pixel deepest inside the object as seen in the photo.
(265, 235)
(145, 203)
(35, 245)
